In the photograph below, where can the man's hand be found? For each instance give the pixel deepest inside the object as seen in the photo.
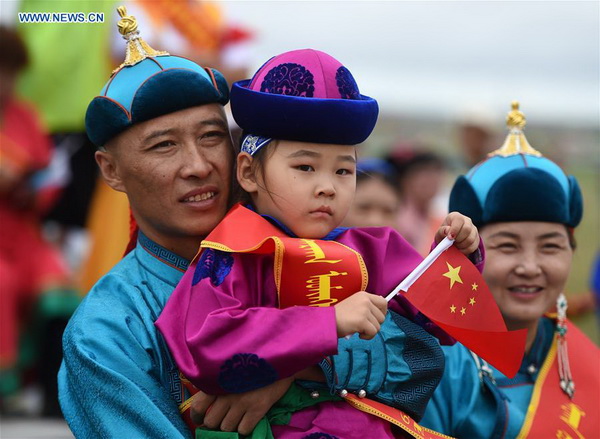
(237, 412)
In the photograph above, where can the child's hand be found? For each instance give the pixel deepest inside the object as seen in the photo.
(362, 312)
(460, 228)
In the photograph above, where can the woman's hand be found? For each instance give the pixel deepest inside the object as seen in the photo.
(460, 228)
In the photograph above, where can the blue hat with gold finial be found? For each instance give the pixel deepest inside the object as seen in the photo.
(147, 85)
(515, 183)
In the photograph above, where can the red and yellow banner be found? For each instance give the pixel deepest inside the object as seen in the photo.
(308, 272)
(551, 413)
(393, 416)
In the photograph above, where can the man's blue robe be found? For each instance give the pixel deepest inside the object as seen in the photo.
(118, 378)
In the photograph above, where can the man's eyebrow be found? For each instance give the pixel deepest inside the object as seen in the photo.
(214, 121)
(157, 133)
(304, 153)
(204, 123)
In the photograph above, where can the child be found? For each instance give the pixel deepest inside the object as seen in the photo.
(254, 308)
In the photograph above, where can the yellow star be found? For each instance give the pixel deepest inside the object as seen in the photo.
(452, 274)
(463, 311)
(472, 301)
(474, 286)
(452, 309)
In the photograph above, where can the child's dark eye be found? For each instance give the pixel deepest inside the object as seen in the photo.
(305, 168)
(344, 172)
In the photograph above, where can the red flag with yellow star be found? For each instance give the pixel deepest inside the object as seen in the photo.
(453, 294)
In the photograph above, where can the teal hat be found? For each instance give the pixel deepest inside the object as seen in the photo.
(515, 183)
(147, 85)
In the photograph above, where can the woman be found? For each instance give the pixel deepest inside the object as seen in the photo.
(526, 209)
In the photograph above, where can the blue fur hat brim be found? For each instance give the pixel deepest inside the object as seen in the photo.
(162, 93)
(315, 120)
(524, 194)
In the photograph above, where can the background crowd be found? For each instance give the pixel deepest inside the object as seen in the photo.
(62, 228)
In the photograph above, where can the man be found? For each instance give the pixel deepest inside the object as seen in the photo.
(163, 140)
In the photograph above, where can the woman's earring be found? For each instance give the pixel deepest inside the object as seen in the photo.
(564, 371)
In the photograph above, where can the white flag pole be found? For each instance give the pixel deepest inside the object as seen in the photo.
(420, 269)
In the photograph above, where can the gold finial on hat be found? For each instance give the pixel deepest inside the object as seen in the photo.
(515, 142)
(137, 49)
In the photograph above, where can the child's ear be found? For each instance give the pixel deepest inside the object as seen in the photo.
(245, 173)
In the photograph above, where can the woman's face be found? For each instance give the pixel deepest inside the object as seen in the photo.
(526, 268)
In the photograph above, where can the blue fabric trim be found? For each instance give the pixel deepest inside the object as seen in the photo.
(289, 79)
(252, 144)
(245, 372)
(316, 120)
(319, 435)
(346, 84)
(175, 385)
(359, 364)
(214, 264)
(426, 361)
(162, 254)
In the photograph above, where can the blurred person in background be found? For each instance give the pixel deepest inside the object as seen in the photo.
(526, 209)
(376, 200)
(69, 62)
(196, 29)
(32, 272)
(419, 178)
(476, 134)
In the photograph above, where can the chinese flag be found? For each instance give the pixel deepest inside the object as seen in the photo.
(453, 294)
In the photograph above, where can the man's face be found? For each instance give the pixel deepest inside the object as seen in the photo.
(175, 170)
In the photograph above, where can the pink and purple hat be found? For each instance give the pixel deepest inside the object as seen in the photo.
(303, 95)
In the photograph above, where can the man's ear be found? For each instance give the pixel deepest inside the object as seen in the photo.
(110, 172)
(245, 174)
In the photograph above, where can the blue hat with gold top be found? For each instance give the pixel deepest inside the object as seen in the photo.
(147, 85)
(515, 183)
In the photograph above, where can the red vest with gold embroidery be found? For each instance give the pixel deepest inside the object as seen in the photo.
(551, 414)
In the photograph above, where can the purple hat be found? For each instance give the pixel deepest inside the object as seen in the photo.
(304, 95)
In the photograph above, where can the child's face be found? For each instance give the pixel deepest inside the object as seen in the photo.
(307, 186)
